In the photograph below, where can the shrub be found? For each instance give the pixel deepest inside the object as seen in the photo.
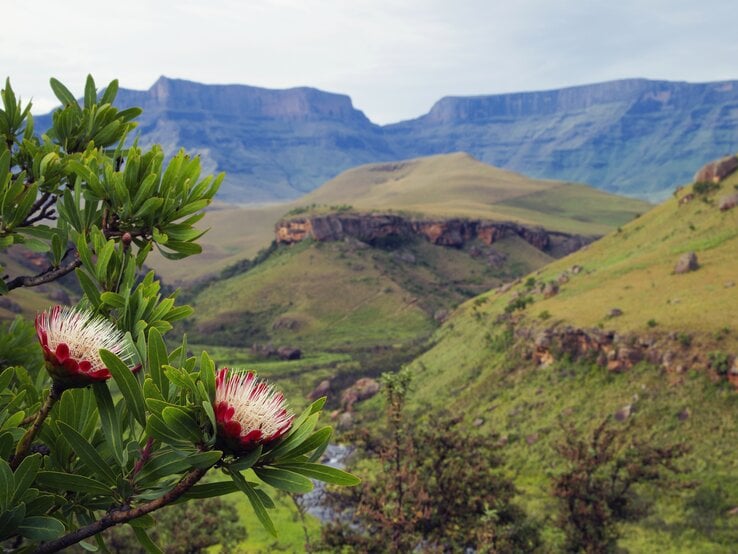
(719, 361)
(74, 462)
(597, 490)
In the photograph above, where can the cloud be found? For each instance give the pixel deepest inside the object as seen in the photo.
(394, 58)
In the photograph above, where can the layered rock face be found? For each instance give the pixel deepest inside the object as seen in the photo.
(373, 228)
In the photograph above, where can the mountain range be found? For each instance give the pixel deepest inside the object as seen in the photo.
(635, 136)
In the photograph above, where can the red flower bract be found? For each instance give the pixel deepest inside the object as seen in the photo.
(71, 340)
(248, 412)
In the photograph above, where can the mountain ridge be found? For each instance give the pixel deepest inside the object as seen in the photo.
(638, 137)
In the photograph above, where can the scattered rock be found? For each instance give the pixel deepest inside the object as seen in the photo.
(686, 263)
(405, 256)
(440, 315)
(323, 388)
(10, 305)
(686, 199)
(728, 202)
(503, 440)
(551, 289)
(576, 269)
(615, 312)
(478, 422)
(563, 278)
(362, 389)
(531, 439)
(717, 170)
(684, 414)
(729, 284)
(344, 421)
(625, 412)
(289, 353)
(285, 323)
(567, 412)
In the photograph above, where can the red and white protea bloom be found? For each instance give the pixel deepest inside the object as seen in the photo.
(248, 412)
(72, 339)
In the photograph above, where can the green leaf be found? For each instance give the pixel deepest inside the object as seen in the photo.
(127, 383)
(89, 288)
(109, 422)
(209, 490)
(25, 473)
(7, 485)
(72, 482)
(284, 479)
(157, 357)
(87, 453)
(295, 438)
(145, 541)
(256, 502)
(41, 528)
(182, 424)
(156, 427)
(204, 460)
(322, 472)
(113, 299)
(63, 93)
(245, 462)
(317, 440)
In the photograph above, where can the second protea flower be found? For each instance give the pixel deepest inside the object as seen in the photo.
(248, 412)
(72, 339)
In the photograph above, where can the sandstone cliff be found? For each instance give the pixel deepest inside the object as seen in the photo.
(374, 228)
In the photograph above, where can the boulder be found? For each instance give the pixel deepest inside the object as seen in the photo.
(687, 262)
(615, 312)
(289, 353)
(717, 170)
(551, 289)
(625, 412)
(362, 389)
(728, 202)
(323, 388)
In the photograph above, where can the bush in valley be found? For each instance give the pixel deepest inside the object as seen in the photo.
(705, 188)
(431, 485)
(719, 361)
(519, 303)
(598, 490)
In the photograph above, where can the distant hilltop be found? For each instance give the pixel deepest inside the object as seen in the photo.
(633, 136)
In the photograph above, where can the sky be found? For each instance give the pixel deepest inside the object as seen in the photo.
(395, 58)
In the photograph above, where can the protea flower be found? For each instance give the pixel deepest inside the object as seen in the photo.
(71, 340)
(248, 412)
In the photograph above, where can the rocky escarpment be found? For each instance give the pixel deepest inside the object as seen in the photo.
(378, 228)
(676, 353)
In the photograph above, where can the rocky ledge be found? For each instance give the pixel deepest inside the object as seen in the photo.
(375, 228)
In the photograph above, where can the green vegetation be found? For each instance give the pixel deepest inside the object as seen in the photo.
(476, 367)
(443, 186)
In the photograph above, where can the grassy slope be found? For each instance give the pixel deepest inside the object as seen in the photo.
(632, 270)
(449, 185)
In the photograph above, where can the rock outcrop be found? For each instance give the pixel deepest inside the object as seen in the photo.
(717, 170)
(375, 228)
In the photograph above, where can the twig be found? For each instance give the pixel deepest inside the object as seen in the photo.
(24, 445)
(118, 517)
(45, 277)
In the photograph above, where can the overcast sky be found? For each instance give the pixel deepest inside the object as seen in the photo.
(395, 58)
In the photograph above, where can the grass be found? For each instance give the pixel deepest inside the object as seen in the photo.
(443, 186)
(470, 369)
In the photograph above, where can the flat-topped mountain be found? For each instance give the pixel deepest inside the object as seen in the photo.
(635, 136)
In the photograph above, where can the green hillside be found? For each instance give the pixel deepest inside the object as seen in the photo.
(458, 185)
(483, 364)
(449, 185)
